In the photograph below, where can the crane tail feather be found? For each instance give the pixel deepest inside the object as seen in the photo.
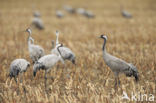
(132, 71)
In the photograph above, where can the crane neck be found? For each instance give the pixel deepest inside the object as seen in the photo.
(59, 52)
(30, 40)
(57, 41)
(104, 45)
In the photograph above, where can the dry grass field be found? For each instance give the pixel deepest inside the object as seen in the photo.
(90, 81)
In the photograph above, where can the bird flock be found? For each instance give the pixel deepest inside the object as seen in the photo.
(39, 59)
(59, 52)
(38, 23)
(71, 10)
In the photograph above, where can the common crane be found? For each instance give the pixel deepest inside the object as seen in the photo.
(67, 53)
(69, 9)
(59, 14)
(37, 14)
(37, 22)
(85, 13)
(81, 11)
(89, 14)
(18, 66)
(35, 51)
(117, 65)
(125, 13)
(47, 62)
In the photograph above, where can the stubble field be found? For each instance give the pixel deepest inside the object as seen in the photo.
(90, 81)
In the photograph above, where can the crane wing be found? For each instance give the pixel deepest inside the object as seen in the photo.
(66, 52)
(118, 65)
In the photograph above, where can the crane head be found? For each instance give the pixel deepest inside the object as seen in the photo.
(57, 32)
(59, 45)
(103, 37)
(37, 66)
(28, 30)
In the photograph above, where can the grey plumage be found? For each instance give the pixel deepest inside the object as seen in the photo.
(85, 13)
(125, 13)
(59, 14)
(14, 71)
(37, 22)
(89, 14)
(35, 51)
(132, 72)
(81, 11)
(47, 62)
(37, 14)
(117, 65)
(69, 9)
(18, 66)
(67, 53)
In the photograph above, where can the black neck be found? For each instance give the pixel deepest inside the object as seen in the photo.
(59, 52)
(104, 44)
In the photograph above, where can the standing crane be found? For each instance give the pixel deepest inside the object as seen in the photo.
(37, 22)
(37, 14)
(67, 53)
(35, 51)
(81, 11)
(47, 62)
(69, 9)
(125, 13)
(89, 14)
(59, 14)
(117, 65)
(18, 66)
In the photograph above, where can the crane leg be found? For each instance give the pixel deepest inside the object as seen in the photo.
(21, 77)
(50, 77)
(45, 77)
(115, 82)
(118, 81)
(15, 80)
